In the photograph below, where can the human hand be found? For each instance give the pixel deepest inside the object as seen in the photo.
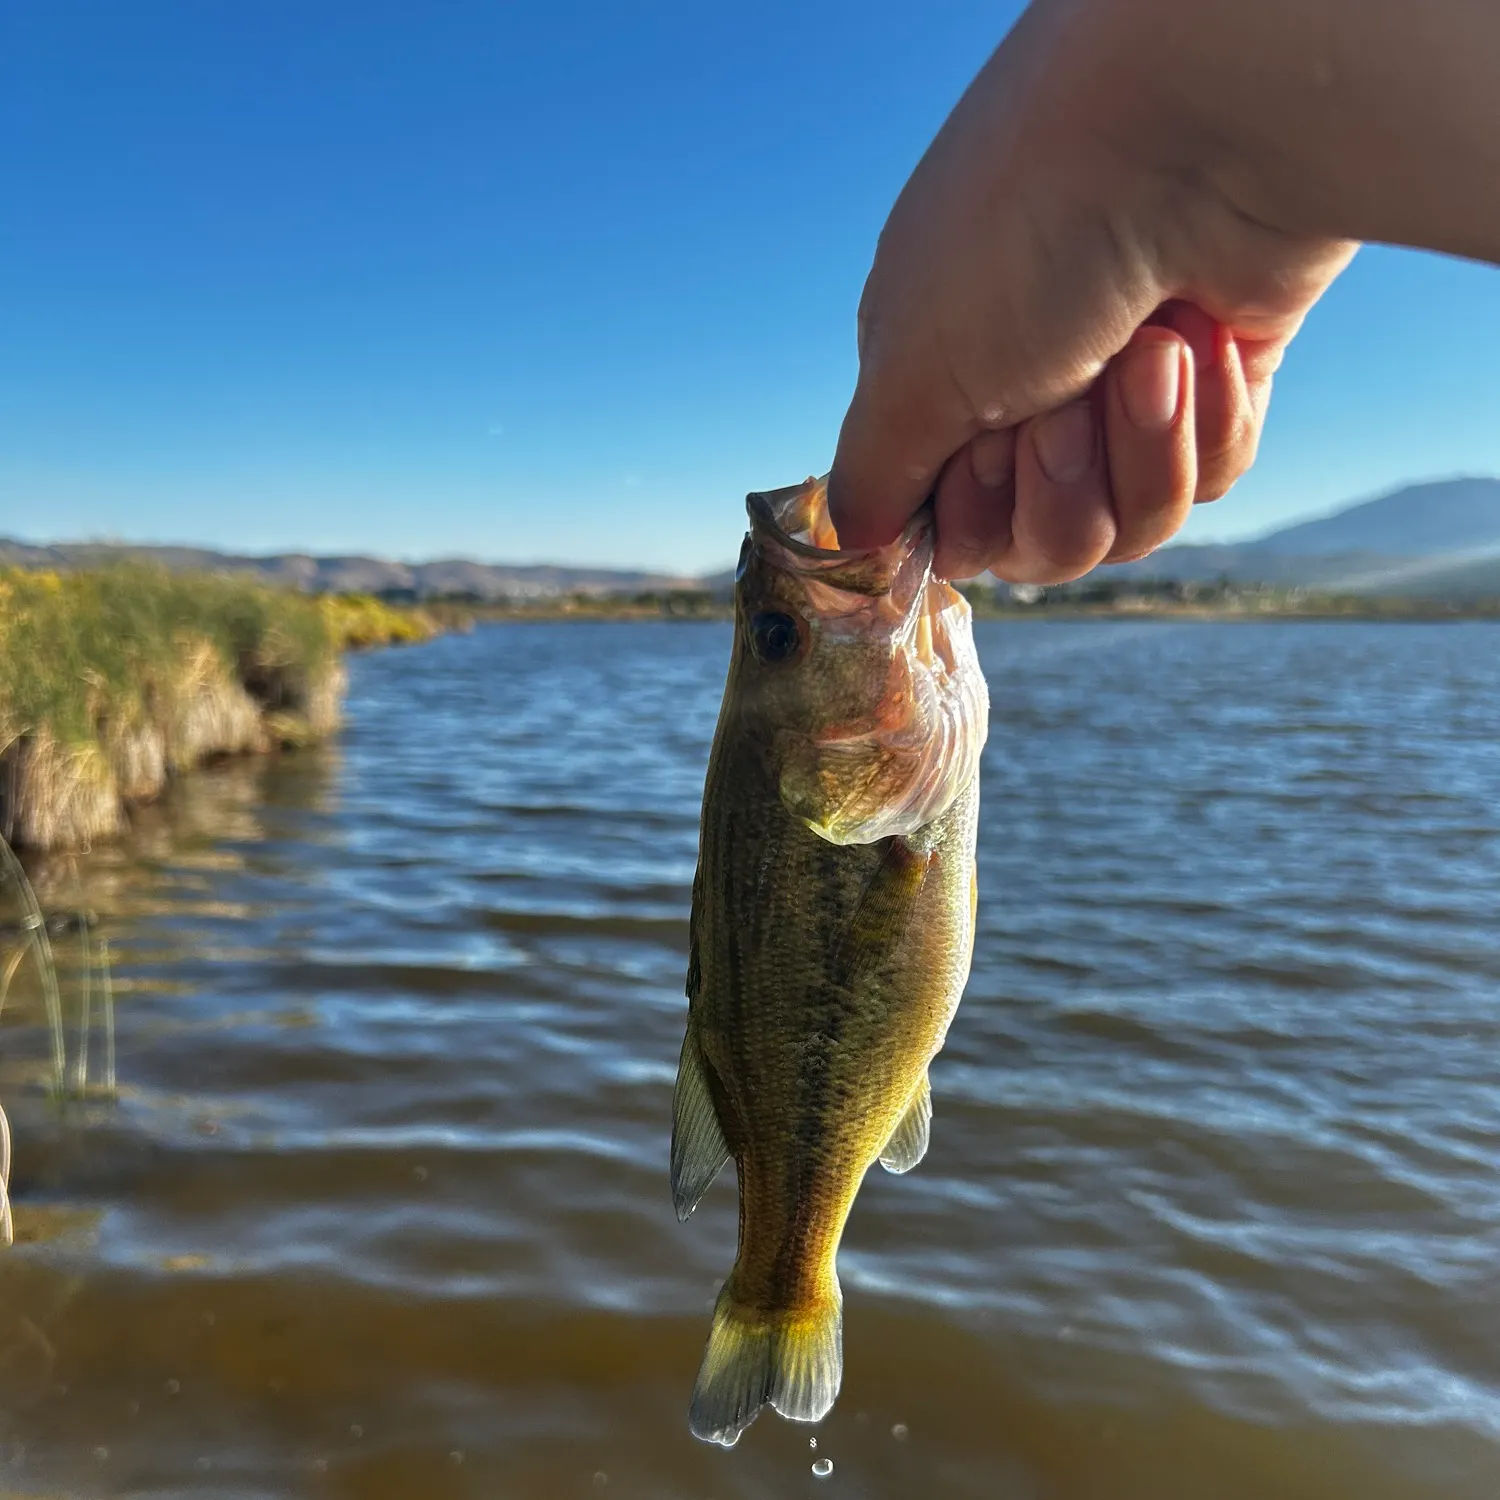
(1070, 329)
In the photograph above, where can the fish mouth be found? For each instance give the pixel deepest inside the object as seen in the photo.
(904, 740)
(795, 521)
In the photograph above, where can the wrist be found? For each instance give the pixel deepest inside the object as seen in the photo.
(1319, 119)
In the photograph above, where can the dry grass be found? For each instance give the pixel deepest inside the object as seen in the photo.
(360, 620)
(112, 682)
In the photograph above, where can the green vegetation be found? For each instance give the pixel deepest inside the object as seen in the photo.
(112, 681)
(357, 621)
(675, 603)
(85, 651)
(1098, 594)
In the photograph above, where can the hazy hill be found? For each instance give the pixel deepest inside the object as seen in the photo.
(356, 574)
(1439, 537)
(1419, 520)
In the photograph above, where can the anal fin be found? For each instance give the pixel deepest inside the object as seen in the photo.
(908, 1143)
(698, 1147)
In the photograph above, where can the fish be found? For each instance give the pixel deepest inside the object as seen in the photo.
(832, 926)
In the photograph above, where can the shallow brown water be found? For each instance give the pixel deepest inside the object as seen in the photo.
(1213, 1202)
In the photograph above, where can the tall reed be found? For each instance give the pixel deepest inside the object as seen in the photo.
(93, 978)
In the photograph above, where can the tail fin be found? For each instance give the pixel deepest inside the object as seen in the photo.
(793, 1359)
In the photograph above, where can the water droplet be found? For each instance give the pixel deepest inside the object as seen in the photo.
(320, 1465)
(812, 1442)
(420, 1173)
(900, 1432)
(173, 1386)
(101, 1453)
(456, 1456)
(600, 1479)
(356, 1431)
(823, 1468)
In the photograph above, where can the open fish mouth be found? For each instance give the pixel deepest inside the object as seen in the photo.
(794, 527)
(896, 754)
(850, 591)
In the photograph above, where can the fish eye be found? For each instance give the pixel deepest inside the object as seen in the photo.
(775, 636)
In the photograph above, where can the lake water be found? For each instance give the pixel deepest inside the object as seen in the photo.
(1212, 1207)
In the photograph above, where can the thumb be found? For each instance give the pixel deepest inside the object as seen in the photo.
(911, 410)
(903, 424)
(1005, 279)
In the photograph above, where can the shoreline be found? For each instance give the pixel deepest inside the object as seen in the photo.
(115, 683)
(593, 613)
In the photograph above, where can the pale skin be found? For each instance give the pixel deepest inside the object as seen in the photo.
(1081, 296)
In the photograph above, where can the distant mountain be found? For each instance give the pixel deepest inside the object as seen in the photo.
(1419, 520)
(1436, 538)
(364, 575)
(1442, 537)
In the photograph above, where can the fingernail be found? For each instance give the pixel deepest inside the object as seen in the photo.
(1065, 443)
(1148, 384)
(992, 459)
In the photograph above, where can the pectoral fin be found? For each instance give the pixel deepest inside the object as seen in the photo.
(908, 1143)
(881, 918)
(698, 1147)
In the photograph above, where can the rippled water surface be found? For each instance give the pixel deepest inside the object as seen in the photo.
(1213, 1202)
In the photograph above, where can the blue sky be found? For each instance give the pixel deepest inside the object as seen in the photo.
(532, 281)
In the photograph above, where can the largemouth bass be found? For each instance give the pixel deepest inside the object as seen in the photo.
(832, 926)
